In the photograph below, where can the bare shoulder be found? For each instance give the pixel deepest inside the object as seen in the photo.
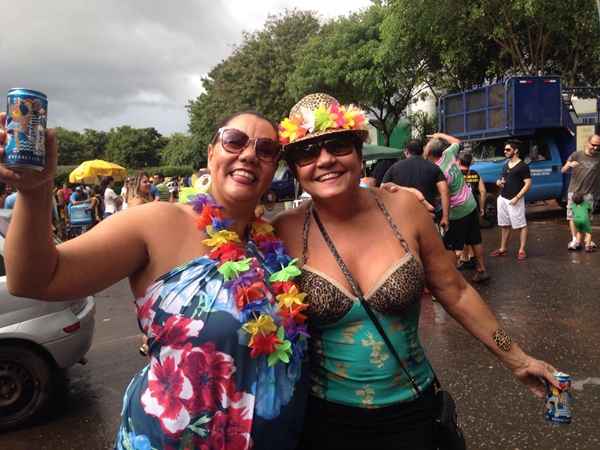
(288, 226)
(143, 221)
(401, 204)
(290, 219)
(153, 212)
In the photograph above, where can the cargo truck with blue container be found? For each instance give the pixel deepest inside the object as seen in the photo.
(535, 110)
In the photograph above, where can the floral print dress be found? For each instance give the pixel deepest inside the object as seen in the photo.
(201, 388)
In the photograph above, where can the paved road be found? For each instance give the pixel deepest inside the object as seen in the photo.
(549, 303)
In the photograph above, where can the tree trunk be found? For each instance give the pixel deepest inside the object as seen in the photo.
(387, 137)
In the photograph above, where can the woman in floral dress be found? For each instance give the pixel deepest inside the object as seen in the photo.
(214, 294)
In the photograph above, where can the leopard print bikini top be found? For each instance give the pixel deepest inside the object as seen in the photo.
(399, 287)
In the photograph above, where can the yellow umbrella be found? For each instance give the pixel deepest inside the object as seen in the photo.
(89, 172)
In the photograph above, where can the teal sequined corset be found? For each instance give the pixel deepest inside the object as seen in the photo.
(350, 363)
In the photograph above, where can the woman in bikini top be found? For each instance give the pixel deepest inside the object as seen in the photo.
(366, 392)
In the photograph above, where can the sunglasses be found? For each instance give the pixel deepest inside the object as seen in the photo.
(508, 149)
(235, 141)
(308, 154)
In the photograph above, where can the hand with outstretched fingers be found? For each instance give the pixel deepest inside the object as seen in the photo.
(29, 180)
(532, 373)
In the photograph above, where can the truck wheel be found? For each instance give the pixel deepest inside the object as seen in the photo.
(25, 385)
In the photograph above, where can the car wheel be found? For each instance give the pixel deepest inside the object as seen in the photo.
(25, 385)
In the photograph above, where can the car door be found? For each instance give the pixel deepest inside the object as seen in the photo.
(544, 164)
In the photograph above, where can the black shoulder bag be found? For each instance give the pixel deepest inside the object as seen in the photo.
(448, 433)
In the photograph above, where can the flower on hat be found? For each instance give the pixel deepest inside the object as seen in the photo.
(305, 121)
(354, 117)
(291, 129)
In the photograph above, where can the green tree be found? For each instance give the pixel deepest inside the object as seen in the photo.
(95, 143)
(347, 59)
(464, 42)
(134, 147)
(254, 77)
(441, 35)
(71, 149)
(422, 124)
(544, 36)
(178, 151)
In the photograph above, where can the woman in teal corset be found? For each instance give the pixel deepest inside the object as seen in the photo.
(386, 246)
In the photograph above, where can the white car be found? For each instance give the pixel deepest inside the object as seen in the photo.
(37, 340)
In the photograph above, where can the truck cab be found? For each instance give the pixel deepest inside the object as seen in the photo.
(530, 109)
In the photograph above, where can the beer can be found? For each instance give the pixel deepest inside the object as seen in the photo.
(26, 114)
(558, 401)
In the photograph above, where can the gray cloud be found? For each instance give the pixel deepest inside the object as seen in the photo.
(115, 62)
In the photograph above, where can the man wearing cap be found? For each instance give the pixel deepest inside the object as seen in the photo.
(585, 179)
(78, 196)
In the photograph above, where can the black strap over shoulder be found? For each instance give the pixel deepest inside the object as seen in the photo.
(358, 292)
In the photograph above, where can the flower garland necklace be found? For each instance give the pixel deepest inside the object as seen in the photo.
(277, 327)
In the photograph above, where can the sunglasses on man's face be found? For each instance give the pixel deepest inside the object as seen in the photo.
(508, 149)
(235, 141)
(309, 153)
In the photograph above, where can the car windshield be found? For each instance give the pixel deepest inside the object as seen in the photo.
(488, 151)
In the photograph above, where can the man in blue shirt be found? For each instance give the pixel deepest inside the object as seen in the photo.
(78, 196)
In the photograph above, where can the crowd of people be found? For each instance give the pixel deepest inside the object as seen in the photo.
(442, 172)
(79, 207)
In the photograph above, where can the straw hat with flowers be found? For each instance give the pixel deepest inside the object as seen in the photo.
(317, 115)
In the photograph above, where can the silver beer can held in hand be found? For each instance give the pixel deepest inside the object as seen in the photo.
(558, 401)
(26, 116)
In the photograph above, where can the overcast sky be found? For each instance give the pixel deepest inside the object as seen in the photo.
(128, 62)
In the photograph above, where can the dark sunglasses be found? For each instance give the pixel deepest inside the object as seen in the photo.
(508, 149)
(235, 141)
(303, 155)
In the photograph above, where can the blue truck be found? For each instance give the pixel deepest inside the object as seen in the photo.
(535, 110)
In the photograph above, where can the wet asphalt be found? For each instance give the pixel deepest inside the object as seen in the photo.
(549, 303)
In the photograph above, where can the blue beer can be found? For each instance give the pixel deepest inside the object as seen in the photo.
(26, 115)
(558, 401)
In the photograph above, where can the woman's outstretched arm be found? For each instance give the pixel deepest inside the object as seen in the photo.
(465, 305)
(36, 267)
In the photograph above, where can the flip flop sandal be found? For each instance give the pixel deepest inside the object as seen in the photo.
(498, 252)
(521, 255)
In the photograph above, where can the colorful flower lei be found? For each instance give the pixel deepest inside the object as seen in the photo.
(277, 327)
(334, 117)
